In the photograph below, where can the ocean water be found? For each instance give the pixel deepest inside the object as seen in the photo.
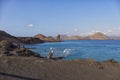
(99, 50)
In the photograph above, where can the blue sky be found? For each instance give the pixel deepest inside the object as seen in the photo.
(52, 17)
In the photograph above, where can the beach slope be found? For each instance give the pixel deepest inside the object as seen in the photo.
(33, 68)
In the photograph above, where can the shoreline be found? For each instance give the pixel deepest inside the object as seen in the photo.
(20, 63)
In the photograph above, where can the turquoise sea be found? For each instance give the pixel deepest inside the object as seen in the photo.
(99, 50)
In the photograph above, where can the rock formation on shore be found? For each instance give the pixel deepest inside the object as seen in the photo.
(48, 38)
(27, 40)
(40, 36)
(30, 40)
(8, 48)
(58, 38)
(5, 36)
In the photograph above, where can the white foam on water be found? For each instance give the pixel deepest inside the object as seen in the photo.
(66, 52)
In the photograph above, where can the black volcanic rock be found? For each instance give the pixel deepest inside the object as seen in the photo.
(8, 48)
(4, 44)
(27, 40)
(5, 36)
(58, 38)
(30, 40)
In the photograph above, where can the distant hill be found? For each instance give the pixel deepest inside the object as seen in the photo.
(95, 36)
(48, 38)
(40, 36)
(28, 40)
(98, 36)
(5, 36)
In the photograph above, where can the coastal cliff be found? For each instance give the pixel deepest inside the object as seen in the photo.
(5, 36)
(28, 40)
(48, 38)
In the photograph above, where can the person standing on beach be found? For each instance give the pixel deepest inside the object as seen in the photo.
(50, 53)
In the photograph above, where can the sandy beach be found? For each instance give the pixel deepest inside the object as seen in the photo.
(32, 68)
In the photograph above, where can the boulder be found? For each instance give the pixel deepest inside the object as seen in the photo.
(50, 39)
(7, 45)
(24, 52)
(13, 49)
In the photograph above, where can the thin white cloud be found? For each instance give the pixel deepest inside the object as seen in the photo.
(30, 25)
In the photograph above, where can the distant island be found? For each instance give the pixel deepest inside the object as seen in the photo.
(95, 36)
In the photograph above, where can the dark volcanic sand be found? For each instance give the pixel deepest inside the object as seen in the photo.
(31, 68)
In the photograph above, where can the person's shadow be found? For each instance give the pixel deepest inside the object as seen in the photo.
(17, 76)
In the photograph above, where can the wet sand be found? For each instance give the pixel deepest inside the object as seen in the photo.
(31, 68)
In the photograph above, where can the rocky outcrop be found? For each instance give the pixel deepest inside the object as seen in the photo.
(40, 36)
(48, 38)
(27, 40)
(8, 48)
(30, 40)
(58, 38)
(5, 36)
